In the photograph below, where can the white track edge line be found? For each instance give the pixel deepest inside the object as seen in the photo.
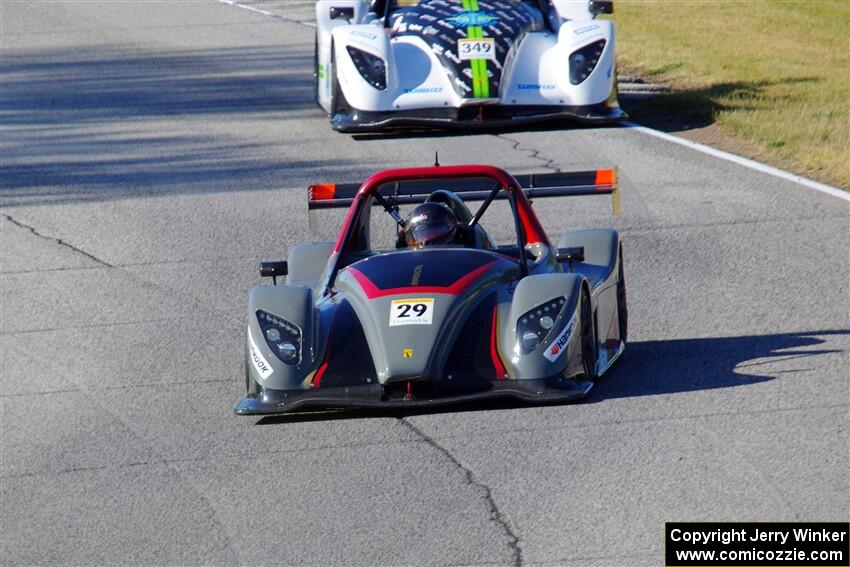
(244, 7)
(264, 12)
(758, 166)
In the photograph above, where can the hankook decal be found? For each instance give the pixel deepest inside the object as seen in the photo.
(556, 349)
(257, 358)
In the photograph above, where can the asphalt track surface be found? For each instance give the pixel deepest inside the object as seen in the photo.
(153, 152)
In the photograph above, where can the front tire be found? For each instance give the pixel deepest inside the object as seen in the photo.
(251, 386)
(335, 88)
(588, 338)
(622, 307)
(316, 77)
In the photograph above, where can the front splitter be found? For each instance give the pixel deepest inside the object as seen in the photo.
(374, 396)
(496, 116)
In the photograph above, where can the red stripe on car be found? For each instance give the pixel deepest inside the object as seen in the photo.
(372, 291)
(498, 367)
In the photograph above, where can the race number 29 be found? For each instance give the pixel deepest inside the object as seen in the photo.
(419, 311)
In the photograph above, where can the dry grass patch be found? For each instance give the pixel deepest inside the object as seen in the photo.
(775, 73)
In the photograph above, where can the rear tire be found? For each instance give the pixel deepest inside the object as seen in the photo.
(622, 307)
(588, 338)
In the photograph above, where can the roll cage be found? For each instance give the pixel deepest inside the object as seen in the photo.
(415, 185)
(528, 228)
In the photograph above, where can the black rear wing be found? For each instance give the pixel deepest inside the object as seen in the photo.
(534, 186)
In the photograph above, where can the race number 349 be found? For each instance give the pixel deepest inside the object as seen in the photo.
(418, 311)
(484, 48)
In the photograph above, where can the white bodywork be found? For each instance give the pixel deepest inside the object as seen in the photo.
(536, 72)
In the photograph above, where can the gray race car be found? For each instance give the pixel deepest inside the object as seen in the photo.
(447, 315)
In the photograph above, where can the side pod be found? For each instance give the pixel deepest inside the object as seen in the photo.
(279, 315)
(559, 348)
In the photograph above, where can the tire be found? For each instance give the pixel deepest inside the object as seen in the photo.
(588, 338)
(316, 70)
(622, 307)
(337, 98)
(251, 386)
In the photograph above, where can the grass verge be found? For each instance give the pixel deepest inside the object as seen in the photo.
(773, 75)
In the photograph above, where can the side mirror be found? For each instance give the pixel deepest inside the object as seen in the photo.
(346, 13)
(572, 254)
(273, 269)
(601, 7)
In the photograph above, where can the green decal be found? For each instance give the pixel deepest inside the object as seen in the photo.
(480, 80)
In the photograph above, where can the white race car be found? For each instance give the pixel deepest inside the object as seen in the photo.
(399, 63)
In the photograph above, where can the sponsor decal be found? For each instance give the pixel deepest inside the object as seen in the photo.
(586, 29)
(475, 24)
(417, 274)
(257, 358)
(559, 344)
(423, 90)
(367, 35)
(534, 87)
(508, 20)
(419, 311)
(470, 18)
(407, 353)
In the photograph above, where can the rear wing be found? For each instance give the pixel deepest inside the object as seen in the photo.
(534, 186)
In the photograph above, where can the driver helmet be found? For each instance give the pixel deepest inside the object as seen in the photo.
(430, 223)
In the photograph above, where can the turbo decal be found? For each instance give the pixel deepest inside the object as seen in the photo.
(423, 90)
(364, 34)
(586, 29)
(534, 87)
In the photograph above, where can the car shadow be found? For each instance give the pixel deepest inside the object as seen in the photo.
(649, 368)
(688, 109)
(553, 125)
(76, 125)
(675, 111)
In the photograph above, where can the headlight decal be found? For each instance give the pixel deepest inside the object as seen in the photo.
(283, 337)
(371, 67)
(583, 61)
(534, 325)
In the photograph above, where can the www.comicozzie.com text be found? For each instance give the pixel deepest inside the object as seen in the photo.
(726, 536)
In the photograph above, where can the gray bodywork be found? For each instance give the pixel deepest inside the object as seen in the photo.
(353, 353)
(297, 302)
